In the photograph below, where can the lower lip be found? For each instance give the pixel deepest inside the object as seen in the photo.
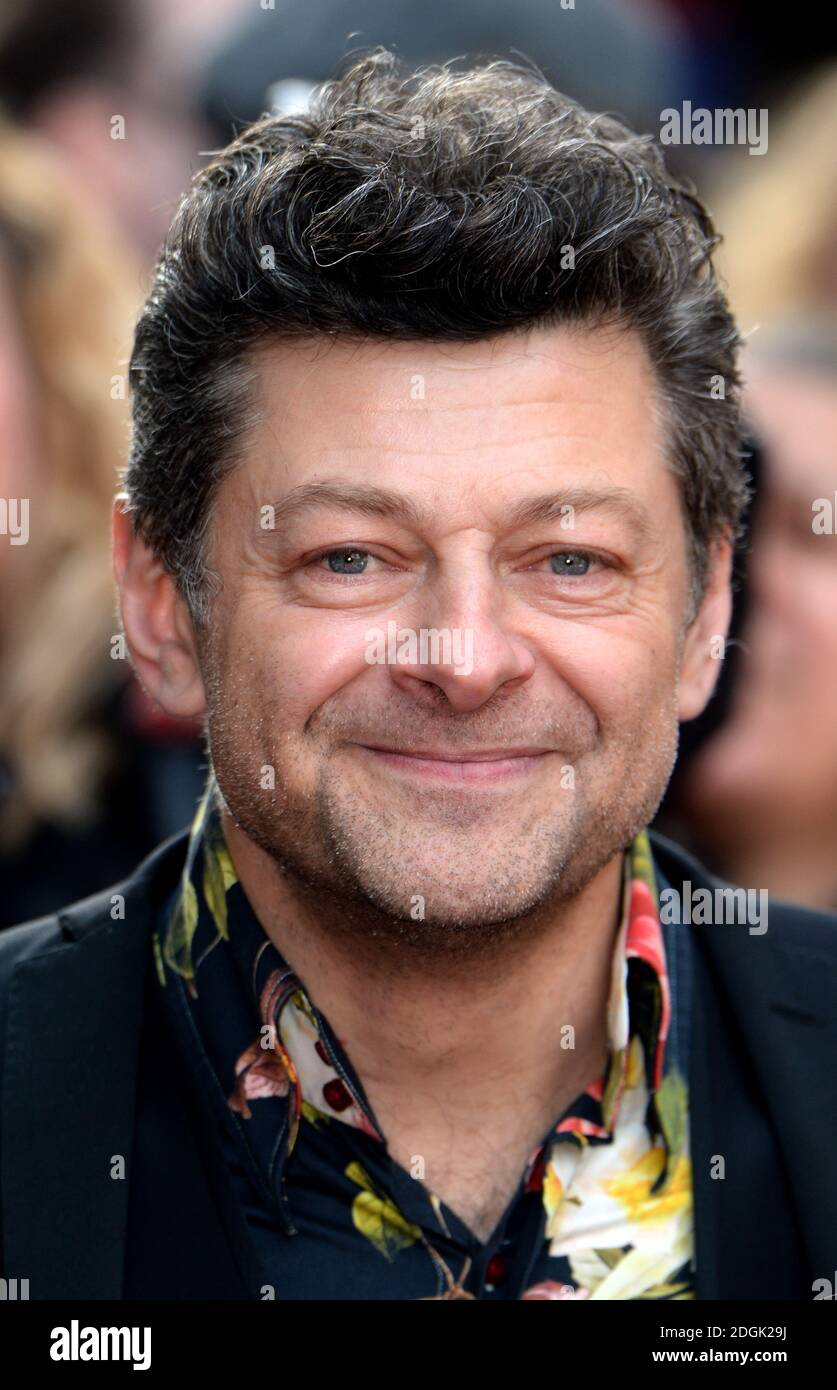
(437, 770)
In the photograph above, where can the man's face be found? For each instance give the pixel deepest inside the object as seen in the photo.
(573, 621)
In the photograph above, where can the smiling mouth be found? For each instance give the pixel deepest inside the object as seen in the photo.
(479, 766)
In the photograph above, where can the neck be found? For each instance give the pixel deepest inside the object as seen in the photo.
(465, 1026)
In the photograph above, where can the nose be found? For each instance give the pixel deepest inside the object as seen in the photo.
(461, 643)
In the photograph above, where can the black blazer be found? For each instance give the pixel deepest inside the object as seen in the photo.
(89, 1074)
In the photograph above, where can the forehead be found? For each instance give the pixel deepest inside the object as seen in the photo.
(574, 406)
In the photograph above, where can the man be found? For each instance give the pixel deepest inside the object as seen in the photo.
(429, 514)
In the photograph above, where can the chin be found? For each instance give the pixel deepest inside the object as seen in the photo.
(457, 899)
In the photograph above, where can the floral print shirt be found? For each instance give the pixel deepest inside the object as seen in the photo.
(603, 1208)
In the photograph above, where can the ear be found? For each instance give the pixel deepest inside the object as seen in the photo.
(157, 623)
(704, 645)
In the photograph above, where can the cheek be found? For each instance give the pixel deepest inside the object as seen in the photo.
(624, 672)
(295, 664)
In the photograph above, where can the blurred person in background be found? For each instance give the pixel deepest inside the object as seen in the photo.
(754, 790)
(112, 88)
(90, 773)
(778, 257)
(761, 794)
(779, 214)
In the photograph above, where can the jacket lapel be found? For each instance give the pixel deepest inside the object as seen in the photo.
(73, 1032)
(747, 1241)
(187, 1236)
(107, 1149)
(764, 1200)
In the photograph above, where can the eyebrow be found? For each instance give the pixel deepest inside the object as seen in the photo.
(366, 499)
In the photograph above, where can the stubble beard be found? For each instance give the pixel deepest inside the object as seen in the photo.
(359, 862)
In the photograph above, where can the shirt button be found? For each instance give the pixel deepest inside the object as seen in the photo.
(337, 1094)
(495, 1270)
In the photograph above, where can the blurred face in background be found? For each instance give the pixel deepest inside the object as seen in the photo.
(128, 129)
(771, 772)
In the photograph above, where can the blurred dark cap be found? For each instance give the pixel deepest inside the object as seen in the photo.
(623, 57)
(45, 44)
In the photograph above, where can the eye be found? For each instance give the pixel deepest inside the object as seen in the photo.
(574, 563)
(348, 561)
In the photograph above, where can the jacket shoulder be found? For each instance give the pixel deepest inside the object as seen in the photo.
(151, 880)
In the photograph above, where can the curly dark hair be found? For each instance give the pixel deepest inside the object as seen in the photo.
(435, 204)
